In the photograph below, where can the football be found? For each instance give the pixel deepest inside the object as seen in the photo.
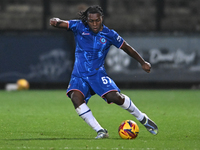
(128, 129)
(22, 84)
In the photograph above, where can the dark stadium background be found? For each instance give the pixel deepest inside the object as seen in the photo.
(165, 32)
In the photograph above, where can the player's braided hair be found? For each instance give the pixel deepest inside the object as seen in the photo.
(91, 10)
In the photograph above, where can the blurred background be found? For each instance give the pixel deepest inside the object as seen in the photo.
(165, 32)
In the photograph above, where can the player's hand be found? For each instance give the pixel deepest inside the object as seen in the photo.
(54, 21)
(146, 67)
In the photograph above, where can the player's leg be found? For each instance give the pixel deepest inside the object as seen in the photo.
(79, 96)
(146, 121)
(126, 103)
(104, 86)
(85, 113)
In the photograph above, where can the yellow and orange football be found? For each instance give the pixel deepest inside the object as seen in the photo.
(128, 129)
(22, 84)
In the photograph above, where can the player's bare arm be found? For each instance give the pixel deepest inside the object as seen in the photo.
(56, 22)
(134, 54)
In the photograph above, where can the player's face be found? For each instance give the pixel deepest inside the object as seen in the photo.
(95, 22)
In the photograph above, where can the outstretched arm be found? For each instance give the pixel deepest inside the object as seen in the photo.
(56, 22)
(134, 54)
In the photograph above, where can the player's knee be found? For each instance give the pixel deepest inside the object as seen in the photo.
(114, 97)
(76, 98)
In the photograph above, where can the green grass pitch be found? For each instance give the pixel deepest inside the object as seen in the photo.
(46, 119)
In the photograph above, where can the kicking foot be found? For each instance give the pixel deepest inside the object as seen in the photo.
(150, 125)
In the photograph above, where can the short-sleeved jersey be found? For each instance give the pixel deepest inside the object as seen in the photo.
(91, 48)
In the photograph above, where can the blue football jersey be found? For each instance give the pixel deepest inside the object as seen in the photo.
(91, 48)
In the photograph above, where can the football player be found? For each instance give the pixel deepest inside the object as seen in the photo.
(93, 40)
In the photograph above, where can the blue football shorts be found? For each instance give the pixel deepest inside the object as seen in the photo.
(100, 84)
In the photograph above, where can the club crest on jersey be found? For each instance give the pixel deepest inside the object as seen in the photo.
(103, 40)
(85, 33)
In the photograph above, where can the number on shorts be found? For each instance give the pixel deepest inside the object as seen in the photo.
(106, 80)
